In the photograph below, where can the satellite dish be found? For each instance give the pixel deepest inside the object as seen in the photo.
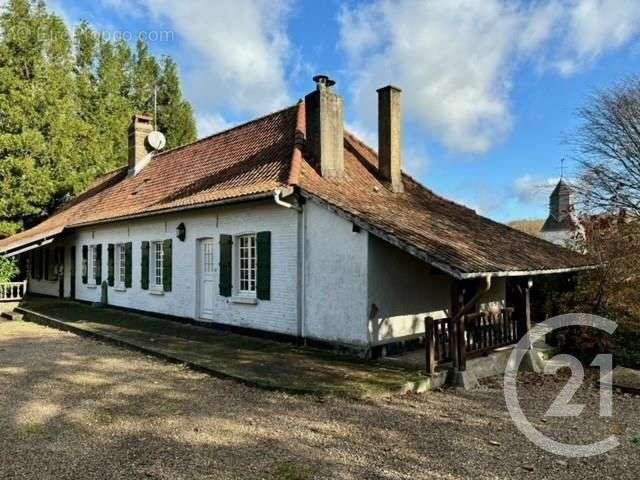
(156, 140)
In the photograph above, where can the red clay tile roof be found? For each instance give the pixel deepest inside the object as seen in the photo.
(267, 153)
(250, 159)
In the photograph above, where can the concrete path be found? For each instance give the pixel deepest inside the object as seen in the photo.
(253, 361)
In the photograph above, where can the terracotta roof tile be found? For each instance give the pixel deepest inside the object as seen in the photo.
(266, 153)
(249, 159)
(446, 233)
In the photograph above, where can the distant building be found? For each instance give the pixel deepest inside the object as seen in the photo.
(561, 224)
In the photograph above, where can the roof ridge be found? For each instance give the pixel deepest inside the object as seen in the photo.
(225, 131)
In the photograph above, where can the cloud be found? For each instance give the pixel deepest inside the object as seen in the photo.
(456, 59)
(530, 190)
(595, 26)
(241, 50)
(243, 45)
(208, 124)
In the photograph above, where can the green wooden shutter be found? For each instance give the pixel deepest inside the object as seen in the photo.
(110, 264)
(127, 264)
(144, 266)
(98, 264)
(85, 264)
(264, 266)
(167, 269)
(46, 264)
(226, 256)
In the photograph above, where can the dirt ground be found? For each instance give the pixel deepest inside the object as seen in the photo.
(75, 408)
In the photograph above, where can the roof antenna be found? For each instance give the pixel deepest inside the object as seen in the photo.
(155, 107)
(561, 169)
(156, 139)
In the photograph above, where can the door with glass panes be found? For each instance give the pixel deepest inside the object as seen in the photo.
(207, 278)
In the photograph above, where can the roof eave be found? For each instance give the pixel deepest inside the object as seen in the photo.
(416, 252)
(22, 247)
(525, 273)
(225, 201)
(392, 239)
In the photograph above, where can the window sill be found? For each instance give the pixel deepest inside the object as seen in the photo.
(244, 300)
(154, 291)
(92, 286)
(119, 288)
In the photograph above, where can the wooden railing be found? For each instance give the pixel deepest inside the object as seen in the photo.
(486, 331)
(439, 342)
(475, 334)
(12, 291)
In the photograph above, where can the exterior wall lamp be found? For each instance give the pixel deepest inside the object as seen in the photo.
(181, 232)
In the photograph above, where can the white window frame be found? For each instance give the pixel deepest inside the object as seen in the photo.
(120, 266)
(208, 259)
(248, 286)
(92, 265)
(156, 265)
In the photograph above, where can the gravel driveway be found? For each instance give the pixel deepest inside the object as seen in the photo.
(75, 408)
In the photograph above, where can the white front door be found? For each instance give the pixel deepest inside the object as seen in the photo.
(207, 278)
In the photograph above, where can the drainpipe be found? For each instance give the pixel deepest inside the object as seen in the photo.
(464, 310)
(277, 197)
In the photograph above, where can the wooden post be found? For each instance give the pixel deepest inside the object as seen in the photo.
(527, 306)
(457, 302)
(462, 345)
(430, 345)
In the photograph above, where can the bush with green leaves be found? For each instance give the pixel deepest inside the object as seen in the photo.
(8, 269)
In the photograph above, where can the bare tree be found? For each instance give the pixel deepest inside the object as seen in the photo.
(608, 144)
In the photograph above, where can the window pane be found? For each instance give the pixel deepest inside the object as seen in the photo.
(157, 256)
(247, 263)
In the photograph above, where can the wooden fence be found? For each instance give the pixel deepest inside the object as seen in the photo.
(12, 291)
(486, 331)
(476, 334)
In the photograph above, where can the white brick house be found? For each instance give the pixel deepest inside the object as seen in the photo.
(285, 224)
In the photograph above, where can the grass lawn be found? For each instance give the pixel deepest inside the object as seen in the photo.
(261, 362)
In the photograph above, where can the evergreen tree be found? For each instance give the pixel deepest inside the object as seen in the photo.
(113, 109)
(25, 109)
(65, 107)
(175, 115)
(145, 77)
(86, 48)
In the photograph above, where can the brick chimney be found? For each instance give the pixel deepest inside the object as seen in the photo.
(325, 127)
(141, 126)
(390, 137)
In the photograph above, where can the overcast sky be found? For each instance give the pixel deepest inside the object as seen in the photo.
(490, 87)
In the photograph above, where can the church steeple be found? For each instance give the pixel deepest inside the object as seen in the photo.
(561, 222)
(560, 202)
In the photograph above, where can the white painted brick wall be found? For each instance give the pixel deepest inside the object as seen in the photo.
(345, 273)
(276, 315)
(405, 291)
(336, 278)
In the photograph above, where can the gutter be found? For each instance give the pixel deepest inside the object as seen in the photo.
(226, 201)
(31, 246)
(524, 273)
(278, 193)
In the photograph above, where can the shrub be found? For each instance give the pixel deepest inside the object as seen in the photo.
(8, 269)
